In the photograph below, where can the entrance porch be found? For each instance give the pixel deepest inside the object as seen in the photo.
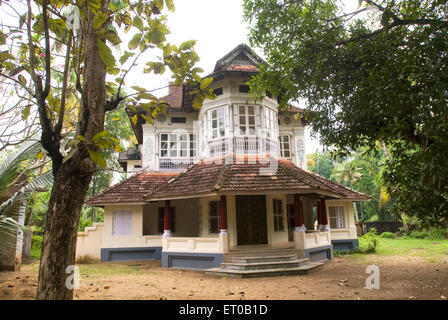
(245, 225)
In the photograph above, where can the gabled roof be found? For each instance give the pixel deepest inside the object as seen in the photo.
(250, 175)
(241, 59)
(131, 190)
(177, 99)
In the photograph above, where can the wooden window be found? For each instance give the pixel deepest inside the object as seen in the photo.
(246, 117)
(278, 214)
(193, 145)
(217, 123)
(213, 218)
(161, 222)
(122, 223)
(177, 145)
(269, 122)
(285, 146)
(337, 218)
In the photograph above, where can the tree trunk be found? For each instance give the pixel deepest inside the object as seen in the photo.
(72, 177)
(61, 229)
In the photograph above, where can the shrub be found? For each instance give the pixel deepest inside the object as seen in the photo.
(438, 233)
(419, 234)
(36, 246)
(388, 235)
(369, 241)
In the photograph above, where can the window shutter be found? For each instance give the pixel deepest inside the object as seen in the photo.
(122, 223)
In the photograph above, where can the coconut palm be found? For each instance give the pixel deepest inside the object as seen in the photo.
(347, 173)
(13, 175)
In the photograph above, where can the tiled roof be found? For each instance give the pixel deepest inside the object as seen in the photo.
(235, 67)
(131, 190)
(244, 174)
(177, 99)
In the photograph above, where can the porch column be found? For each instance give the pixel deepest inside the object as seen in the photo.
(167, 220)
(319, 215)
(223, 215)
(298, 214)
(324, 219)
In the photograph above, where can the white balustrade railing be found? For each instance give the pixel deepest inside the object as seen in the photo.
(241, 146)
(175, 165)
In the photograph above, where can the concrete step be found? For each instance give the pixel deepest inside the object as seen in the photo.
(304, 269)
(262, 258)
(280, 264)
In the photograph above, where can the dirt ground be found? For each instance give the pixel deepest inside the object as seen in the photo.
(342, 278)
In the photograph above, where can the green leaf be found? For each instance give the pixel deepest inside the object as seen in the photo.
(105, 54)
(99, 19)
(146, 95)
(26, 112)
(22, 79)
(187, 45)
(138, 23)
(135, 41)
(170, 5)
(126, 56)
(97, 158)
(140, 89)
(205, 83)
(197, 102)
(148, 119)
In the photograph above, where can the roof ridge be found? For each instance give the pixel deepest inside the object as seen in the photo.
(164, 185)
(223, 176)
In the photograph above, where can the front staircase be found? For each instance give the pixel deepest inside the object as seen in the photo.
(264, 264)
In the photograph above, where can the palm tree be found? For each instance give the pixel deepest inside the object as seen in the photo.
(12, 175)
(346, 173)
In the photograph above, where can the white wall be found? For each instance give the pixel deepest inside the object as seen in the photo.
(89, 242)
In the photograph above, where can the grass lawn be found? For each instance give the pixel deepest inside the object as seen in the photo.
(431, 250)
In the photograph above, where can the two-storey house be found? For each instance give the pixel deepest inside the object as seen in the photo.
(227, 180)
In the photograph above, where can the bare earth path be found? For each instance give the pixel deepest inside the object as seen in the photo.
(401, 277)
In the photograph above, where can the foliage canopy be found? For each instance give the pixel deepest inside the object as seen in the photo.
(378, 73)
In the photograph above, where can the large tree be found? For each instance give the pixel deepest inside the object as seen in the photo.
(57, 50)
(377, 73)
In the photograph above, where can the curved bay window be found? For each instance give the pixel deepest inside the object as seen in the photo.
(240, 129)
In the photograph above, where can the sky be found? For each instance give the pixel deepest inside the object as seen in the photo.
(216, 25)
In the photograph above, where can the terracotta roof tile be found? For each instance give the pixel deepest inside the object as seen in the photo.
(131, 190)
(249, 175)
